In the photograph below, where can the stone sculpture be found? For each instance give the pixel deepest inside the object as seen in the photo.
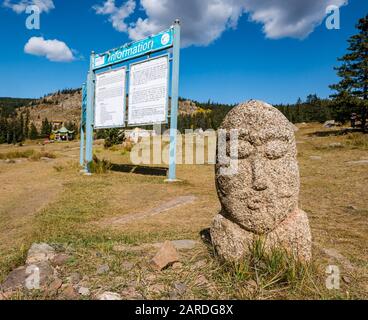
(261, 198)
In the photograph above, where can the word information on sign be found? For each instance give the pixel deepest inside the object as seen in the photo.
(110, 99)
(136, 49)
(148, 92)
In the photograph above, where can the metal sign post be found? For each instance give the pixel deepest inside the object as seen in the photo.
(90, 109)
(82, 126)
(164, 41)
(174, 102)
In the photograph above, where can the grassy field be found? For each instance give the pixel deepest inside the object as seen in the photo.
(45, 199)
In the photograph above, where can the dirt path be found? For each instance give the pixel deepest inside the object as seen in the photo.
(26, 187)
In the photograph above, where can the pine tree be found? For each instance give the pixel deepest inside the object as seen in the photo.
(20, 133)
(33, 133)
(46, 128)
(26, 125)
(354, 70)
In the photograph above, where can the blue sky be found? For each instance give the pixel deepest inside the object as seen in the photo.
(231, 65)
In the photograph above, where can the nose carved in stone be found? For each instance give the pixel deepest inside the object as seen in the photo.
(259, 179)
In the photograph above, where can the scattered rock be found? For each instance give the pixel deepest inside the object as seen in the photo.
(346, 279)
(127, 266)
(334, 254)
(157, 288)
(75, 278)
(180, 288)
(109, 296)
(31, 277)
(177, 266)
(184, 244)
(60, 259)
(131, 293)
(40, 252)
(69, 293)
(336, 145)
(201, 281)
(15, 279)
(329, 124)
(252, 286)
(358, 162)
(166, 256)
(200, 264)
(54, 286)
(103, 269)
(83, 291)
(150, 277)
(5, 295)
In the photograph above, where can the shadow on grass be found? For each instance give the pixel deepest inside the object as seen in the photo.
(144, 170)
(338, 132)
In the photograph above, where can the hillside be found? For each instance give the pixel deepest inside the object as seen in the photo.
(66, 107)
(8, 105)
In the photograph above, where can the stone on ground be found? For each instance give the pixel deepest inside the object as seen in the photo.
(109, 296)
(166, 256)
(40, 252)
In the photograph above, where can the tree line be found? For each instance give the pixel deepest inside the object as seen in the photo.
(16, 128)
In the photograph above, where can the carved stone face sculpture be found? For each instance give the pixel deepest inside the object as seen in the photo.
(265, 188)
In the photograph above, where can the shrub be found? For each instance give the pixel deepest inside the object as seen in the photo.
(113, 137)
(99, 166)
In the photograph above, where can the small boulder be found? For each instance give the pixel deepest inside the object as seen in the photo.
(103, 269)
(60, 259)
(166, 256)
(184, 244)
(31, 277)
(131, 293)
(329, 124)
(54, 286)
(75, 278)
(84, 291)
(109, 296)
(40, 252)
(177, 266)
(69, 293)
(127, 266)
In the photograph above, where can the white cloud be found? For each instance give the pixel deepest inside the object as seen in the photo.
(204, 21)
(20, 6)
(117, 15)
(54, 50)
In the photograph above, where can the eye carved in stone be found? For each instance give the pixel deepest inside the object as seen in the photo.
(245, 149)
(276, 149)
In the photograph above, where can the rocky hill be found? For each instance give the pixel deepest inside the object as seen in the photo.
(66, 107)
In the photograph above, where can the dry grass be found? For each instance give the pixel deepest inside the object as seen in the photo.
(27, 154)
(332, 193)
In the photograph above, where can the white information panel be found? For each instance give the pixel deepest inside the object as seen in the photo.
(148, 91)
(110, 99)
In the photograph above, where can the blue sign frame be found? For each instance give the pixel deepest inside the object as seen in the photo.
(133, 50)
(163, 41)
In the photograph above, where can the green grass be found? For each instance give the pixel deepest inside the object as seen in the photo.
(268, 272)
